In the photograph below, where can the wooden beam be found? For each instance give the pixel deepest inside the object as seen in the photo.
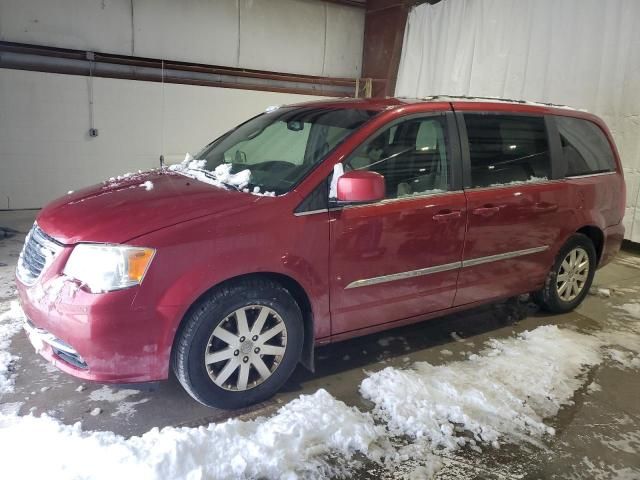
(385, 22)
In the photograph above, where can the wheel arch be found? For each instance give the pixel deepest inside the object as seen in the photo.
(596, 235)
(298, 293)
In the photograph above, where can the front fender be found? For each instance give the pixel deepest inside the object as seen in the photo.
(195, 256)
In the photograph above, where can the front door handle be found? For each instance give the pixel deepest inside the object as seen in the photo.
(446, 215)
(544, 207)
(486, 211)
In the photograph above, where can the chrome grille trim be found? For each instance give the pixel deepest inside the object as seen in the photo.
(37, 254)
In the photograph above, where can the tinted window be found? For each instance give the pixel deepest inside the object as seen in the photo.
(507, 148)
(412, 157)
(585, 147)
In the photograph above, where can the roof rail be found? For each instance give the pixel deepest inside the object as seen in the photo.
(492, 99)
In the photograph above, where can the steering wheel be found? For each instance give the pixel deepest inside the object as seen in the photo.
(273, 165)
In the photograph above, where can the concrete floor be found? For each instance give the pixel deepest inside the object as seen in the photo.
(597, 437)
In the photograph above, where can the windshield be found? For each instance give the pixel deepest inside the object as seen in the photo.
(280, 147)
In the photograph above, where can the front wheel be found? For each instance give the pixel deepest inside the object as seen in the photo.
(570, 278)
(239, 345)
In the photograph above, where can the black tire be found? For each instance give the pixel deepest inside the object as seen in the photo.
(548, 298)
(193, 341)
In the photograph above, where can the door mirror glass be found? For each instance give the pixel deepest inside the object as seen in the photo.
(360, 187)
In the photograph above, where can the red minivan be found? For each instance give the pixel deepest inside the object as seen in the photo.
(314, 223)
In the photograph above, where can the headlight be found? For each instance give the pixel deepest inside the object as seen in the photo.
(103, 268)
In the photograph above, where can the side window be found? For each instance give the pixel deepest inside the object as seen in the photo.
(507, 149)
(316, 200)
(584, 146)
(411, 155)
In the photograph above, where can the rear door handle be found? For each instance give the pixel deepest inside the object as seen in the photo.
(486, 211)
(446, 215)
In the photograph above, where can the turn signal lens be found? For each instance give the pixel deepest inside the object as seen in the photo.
(138, 261)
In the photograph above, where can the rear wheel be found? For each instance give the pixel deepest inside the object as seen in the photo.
(239, 345)
(570, 278)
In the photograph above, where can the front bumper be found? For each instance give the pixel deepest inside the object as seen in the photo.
(52, 348)
(99, 337)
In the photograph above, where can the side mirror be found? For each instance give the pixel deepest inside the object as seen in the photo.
(360, 186)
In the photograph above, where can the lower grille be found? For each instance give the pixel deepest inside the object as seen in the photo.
(38, 253)
(75, 360)
(61, 349)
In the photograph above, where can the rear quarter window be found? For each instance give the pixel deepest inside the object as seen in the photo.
(585, 147)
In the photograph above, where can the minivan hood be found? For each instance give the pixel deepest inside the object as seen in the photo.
(124, 208)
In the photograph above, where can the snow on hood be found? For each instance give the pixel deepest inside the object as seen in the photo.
(134, 204)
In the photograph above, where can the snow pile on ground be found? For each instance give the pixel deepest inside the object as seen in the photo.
(313, 436)
(7, 286)
(631, 309)
(119, 397)
(294, 442)
(622, 337)
(504, 392)
(10, 323)
(220, 177)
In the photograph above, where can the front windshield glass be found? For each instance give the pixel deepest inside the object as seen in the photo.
(280, 147)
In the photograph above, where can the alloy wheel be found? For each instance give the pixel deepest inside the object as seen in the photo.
(246, 348)
(573, 274)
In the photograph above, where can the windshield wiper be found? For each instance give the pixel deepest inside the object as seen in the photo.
(208, 174)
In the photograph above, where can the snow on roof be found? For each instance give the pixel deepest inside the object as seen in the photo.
(464, 98)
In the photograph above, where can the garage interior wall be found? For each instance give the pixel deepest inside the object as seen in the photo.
(581, 53)
(309, 37)
(45, 148)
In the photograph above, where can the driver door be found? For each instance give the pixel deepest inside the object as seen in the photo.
(400, 257)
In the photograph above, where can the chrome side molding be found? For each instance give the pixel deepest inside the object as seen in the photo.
(445, 267)
(403, 275)
(503, 256)
(311, 212)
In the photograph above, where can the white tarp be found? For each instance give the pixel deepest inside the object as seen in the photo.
(581, 53)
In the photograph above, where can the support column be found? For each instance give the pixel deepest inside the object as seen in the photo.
(383, 35)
